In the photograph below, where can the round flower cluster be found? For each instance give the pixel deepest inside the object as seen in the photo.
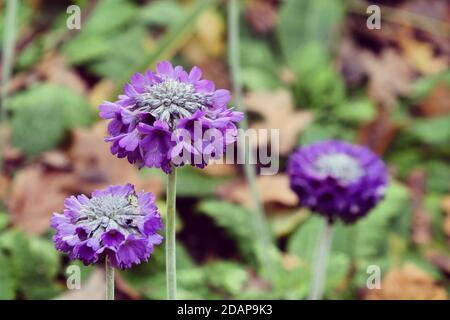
(338, 179)
(169, 115)
(115, 222)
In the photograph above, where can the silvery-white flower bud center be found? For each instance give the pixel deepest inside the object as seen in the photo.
(340, 166)
(108, 212)
(171, 100)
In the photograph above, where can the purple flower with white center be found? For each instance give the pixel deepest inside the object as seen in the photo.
(337, 179)
(115, 222)
(146, 121)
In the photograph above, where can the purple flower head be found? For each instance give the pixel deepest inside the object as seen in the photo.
(337, 179)
(146, 119)
(115, 222)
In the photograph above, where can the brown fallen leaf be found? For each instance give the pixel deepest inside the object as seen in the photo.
(36, 194)
(101, 91)
(437, 102)
(439, 259)
(277, 112)
(273, 189)
(97, 167)
(55, 69)
(40, 189)
(4, 185)
(390, 76)
(56, 160)
(379, 133)
(422, 222)
(407, 283)
(92, 289)
(219, 170)
(211, 38)
(261, 15)
(446, 208)
(421, 54)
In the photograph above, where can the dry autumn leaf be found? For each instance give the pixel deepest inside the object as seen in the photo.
(437, 102)
(407, 283)
(421, 55)
(278, 113)
(39, 190)
(446, 208)
(93, 289)
(211, 38)
(390, 76)
(97, 167)
(219, 170)
(55, 69)
(261, 15)
(103, 90)
(36, 194)
(273, 189)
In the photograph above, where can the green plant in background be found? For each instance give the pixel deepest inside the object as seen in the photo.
(300, 53)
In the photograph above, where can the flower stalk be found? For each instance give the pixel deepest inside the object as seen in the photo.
(9, 37)
(262, 232)
(109, 271)
(171, 278)
(321, 262)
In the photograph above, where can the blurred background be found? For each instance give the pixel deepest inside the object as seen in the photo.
(313, 69)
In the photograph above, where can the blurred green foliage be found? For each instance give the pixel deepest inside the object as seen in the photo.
(120, 37)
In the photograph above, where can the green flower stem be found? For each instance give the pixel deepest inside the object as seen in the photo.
(9, 37)
(321, 262)
(171, 275)
(264, 245)
(109, 270)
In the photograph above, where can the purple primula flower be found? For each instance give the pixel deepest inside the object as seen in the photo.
(156, 108)
(115, 222)
(338, 179)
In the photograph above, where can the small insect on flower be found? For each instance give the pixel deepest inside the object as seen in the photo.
(116, 222)
(163, 114)
(338, 179)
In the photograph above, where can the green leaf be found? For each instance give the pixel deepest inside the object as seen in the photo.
(43, 114)
(109, 15)
(362, 110)
(234, 219)
(87, 47)
(232, 277)
(303, 242)
(161, 13)
(7, 281)
(321, 130)
(94, 41)
(434, 131)
(176, 32)
(193, 183)
(35, 264)
(126, 53)
(438, 176)
(4, 220)
(259, 65)
(304, 21)
(372, 230)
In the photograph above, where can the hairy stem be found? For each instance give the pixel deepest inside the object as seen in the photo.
(262, 231)
(321, 262)
(109, 270)
(171, 276)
